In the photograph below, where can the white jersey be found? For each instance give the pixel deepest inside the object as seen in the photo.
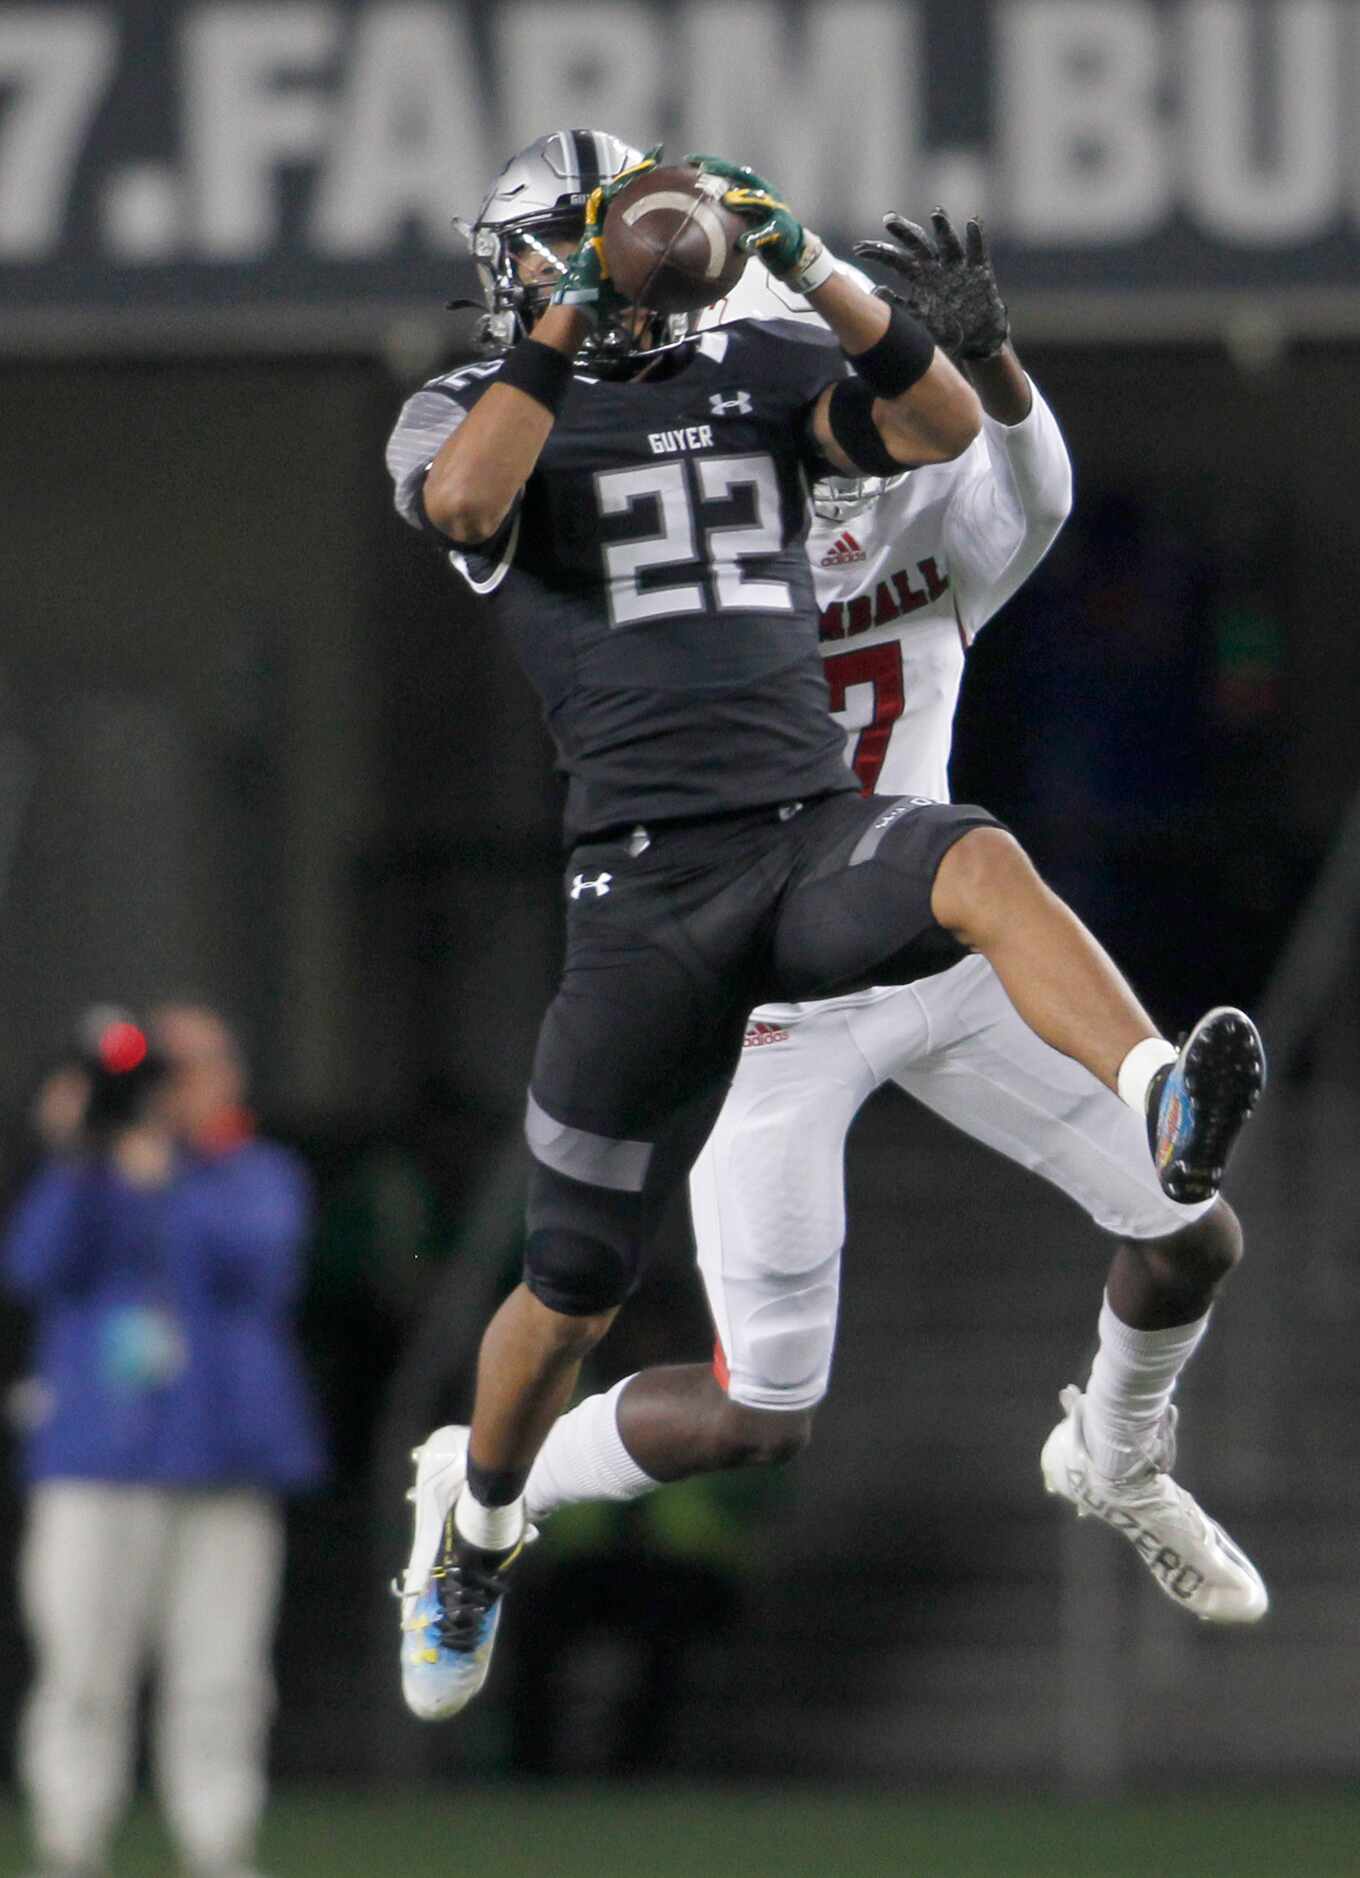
(904, 587)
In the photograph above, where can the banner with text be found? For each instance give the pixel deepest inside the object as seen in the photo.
(169, 167)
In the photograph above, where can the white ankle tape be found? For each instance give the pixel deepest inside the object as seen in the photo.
(492, 1528)
(1139, 1067)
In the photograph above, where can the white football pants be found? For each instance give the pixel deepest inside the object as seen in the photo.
(767, 1193)
(118, 1579)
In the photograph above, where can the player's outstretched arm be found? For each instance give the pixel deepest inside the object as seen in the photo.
(912, 406)
(932, 418)
(950, 286)
(1003, 516)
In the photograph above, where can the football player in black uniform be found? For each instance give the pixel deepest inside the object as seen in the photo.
(632, 501)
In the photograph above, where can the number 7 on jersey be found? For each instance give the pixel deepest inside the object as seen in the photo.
(880, 667)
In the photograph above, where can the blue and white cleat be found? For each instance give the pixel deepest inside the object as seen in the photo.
(450, 1596)
(1196, 1106)
(1191, 1559)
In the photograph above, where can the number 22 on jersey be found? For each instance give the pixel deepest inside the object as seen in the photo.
(681, 492)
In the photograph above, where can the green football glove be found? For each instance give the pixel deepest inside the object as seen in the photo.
(777, 235)
(585, 285)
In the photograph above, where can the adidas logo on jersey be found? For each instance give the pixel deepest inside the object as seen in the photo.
(843, 550)
(758, 1032)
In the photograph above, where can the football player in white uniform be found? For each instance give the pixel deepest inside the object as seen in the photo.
(907, 571)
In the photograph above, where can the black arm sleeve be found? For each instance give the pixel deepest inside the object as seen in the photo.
(850, 415)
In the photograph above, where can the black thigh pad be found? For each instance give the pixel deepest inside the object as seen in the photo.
(859, 913)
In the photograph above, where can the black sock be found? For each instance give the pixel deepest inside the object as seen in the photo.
(495, 1486)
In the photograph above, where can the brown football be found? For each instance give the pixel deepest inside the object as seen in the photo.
(670, 244)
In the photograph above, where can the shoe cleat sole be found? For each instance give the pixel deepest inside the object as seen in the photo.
(1213, 1088)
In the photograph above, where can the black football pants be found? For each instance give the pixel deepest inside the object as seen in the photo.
(674, 934)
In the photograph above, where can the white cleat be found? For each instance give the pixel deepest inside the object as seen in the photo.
(449, 1610)
(1190, 1557)
(441, 1469)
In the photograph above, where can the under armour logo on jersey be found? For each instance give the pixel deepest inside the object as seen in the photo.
(739, 404)
(599, 886)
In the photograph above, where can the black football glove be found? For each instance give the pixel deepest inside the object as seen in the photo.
(950, 288)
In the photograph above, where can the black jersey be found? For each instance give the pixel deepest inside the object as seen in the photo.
(653, 579)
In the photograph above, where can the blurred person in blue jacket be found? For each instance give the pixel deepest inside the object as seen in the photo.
(159, 1247)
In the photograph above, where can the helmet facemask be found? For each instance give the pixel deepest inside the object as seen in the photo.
(540, 196)
(513, 305)
(839, 499)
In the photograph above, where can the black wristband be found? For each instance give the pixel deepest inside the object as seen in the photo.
(540, 372)
(893, 363)
(850, 413)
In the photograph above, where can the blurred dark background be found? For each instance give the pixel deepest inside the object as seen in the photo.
(253, 745)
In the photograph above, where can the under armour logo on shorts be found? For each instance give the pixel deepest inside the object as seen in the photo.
(599, 886)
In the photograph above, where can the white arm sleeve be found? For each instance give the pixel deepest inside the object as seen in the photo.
(427, 418)
(1003, 518)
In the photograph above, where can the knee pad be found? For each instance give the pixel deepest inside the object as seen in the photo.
(781, 1338)
(575, 1273)
(584, 1246)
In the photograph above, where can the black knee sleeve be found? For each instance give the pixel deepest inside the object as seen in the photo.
(574, 1273)
(584, 1247)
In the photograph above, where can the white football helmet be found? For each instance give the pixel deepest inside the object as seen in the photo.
(541, 192)
(759, 296)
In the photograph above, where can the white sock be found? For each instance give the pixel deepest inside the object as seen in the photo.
(1132, 1380)
(1139, 1067)
(492, 1528)
(584, 1459)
